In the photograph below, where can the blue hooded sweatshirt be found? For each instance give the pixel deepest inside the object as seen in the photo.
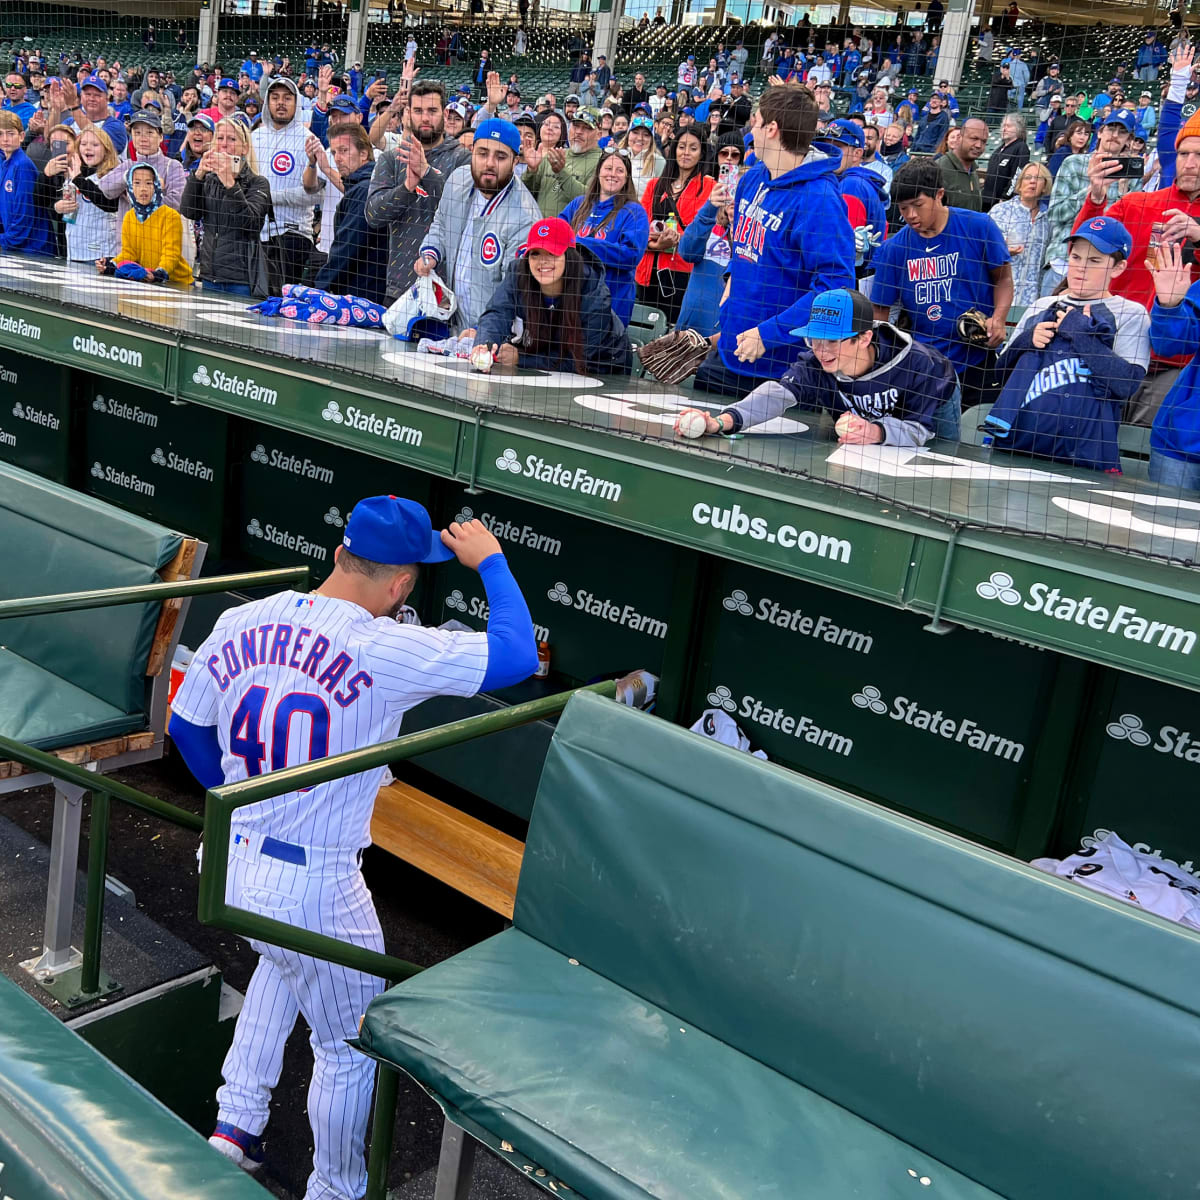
(868, 186)
(619, 242)
(1173, 331)
(791, 240)
(24, 226)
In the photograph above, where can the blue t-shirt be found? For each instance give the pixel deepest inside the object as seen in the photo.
(937, 279)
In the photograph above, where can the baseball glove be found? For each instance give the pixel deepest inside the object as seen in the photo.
(972, 328)
(674, 356)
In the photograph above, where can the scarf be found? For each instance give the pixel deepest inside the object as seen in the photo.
(143, 211)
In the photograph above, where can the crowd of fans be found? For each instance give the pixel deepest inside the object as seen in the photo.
(834, 245)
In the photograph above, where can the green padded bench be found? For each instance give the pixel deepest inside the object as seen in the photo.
(728, 982)
(90, 684)
(74, 1127)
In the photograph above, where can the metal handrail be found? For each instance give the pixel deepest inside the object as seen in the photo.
(221, 802)
(36, 606)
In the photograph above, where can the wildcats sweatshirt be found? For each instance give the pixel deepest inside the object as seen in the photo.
(790, 241)
(1176, 332)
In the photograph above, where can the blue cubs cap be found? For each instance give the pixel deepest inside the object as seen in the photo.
(344, 104)
(386, 529)
(231, 84)
(95, 81)
(687, 111)
(203, 119)
(1107, 234)
(464, 89)
(1123, 117)
(838, 314)
(499, 131)
(845, 133)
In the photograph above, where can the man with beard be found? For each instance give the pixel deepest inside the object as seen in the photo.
(638, 94)
(482, 219)
(407, 183)
(280, 145)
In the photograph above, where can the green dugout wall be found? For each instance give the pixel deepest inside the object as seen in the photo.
(1014, 744)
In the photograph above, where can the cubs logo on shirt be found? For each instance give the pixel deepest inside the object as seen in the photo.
(934, 312)
(8, 185)
(489, 250)
(282, 162)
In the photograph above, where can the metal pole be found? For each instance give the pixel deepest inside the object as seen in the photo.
(383, 1131)
(64, 864)
(36, 606)
(93, 924)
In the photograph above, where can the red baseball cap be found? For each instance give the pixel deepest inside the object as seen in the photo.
(554, 235)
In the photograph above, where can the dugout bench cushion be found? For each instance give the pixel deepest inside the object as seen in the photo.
(618, 1098)
(993, 1017)
(73, 1125)
(59, 540)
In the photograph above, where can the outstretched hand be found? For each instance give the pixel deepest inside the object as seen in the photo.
(471, 542)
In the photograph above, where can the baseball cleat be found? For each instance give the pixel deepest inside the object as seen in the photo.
(236, 1144)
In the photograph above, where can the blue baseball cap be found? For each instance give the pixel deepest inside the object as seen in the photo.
(845, 133)
(344, 104)
(838, 314)
(1107, 234)
(95, 81)
(386, 529)
(228, 83)
(1123, 117)
(203, 119)
(499, 131)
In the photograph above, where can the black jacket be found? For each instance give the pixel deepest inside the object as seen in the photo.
(606, 348)
(230, 249)
(358, 257)
(1006, 163)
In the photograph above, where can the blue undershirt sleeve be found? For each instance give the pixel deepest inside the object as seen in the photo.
(200, 749)
(512, 648)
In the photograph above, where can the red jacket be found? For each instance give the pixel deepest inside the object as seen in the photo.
(1137, 212)
(691, 200)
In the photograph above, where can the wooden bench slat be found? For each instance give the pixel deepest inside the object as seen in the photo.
(180, 567)
(450, 845)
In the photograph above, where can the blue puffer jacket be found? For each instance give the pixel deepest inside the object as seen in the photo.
(1065, 402)
(868, 187)
(606, 348)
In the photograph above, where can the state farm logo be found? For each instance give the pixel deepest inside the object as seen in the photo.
(607, 610)
(35, 416)
(562, 594)
(737, 601)
(334, 517)
(571, 479)
(456, 600)
(233, 385)
(332, 412)
(801, 727)
(361, 419)
(818, 626)
(201, 376)
(97, 471)
(512, 531)
(259, 454)
(722, 697)
(464, 515)
(508, 461)
(1128, 728)
(999, 586)
(254, 529)
(937, 723)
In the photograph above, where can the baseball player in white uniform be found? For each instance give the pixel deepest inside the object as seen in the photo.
(292, 678)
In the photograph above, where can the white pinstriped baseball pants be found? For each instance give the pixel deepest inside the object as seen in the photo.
(329, 897)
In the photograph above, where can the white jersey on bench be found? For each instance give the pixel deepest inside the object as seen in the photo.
(296, 677)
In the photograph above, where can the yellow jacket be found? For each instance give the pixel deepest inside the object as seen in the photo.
(156, 242)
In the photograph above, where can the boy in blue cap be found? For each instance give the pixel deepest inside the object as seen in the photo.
(1075, 358)
(880, 386)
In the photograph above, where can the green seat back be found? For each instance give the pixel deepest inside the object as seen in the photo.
(59, 540)
(73, 1126)
(1035, 1037)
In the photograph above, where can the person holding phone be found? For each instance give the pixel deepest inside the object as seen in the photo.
(227, 194)
(609, 221)
(95, 230)
(706, 245)
(145, 140)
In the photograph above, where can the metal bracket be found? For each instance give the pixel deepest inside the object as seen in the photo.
(456, 1164)
(936, 624)
(476, 440)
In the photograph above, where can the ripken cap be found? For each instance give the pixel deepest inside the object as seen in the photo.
(387, 529)
(838, 314)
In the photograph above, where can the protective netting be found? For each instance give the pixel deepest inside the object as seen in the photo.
(945, 265)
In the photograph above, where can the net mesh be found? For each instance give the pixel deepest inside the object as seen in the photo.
(973, 243)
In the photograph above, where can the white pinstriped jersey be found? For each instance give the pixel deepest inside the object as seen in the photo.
(296, 677)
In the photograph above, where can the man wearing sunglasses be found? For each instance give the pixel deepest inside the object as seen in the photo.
(15, 98)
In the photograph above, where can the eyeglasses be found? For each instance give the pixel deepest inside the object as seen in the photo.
(610, 151)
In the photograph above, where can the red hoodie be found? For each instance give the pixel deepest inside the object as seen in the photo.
(1137, 212)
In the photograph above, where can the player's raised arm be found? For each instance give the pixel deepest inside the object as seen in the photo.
(512, 648)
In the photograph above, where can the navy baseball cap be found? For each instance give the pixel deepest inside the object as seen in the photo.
(1107, 234)
(1123, 117)
(343, 104)
(845, 133)
(147, 116)
(499, 131)
(386, 529)
(838, 314)
(95, 81)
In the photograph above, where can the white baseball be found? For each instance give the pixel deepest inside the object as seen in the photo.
(844, 424)
(481, 358)
(692, 423)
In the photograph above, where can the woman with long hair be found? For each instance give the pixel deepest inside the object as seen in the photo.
(1075, 139)
(644, 159)
(671, 203)
(90, 217)
(551, 135)
(553, 310)
(610, 222)
(231, 198)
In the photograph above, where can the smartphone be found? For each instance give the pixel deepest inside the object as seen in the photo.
(58, 146)
(1133, 166)
(1187, 253)
(729, 173)
(235, 163)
